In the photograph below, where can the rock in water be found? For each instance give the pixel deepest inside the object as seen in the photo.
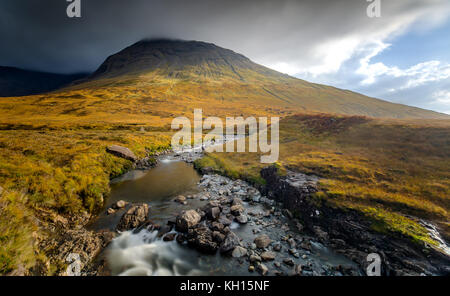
(119, 205)
(187, 219)
(122, 152)
(231, 241)
(262, 241)
(267, 256)
(133, 218)
(239, 252)
(241, 219)
(201, 238)
(213, 213)
(263, 269)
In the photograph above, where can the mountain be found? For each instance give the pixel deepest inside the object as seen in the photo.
(18, 82)
(204, 71)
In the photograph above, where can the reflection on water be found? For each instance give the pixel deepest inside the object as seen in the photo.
(165, 180)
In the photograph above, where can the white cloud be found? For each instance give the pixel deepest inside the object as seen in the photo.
(442, 96)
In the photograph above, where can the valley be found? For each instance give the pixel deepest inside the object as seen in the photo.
(382, 165)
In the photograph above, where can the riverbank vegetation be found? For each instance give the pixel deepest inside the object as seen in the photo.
(391, 171)
(47, 172)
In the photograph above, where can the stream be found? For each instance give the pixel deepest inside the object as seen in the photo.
(147, 253)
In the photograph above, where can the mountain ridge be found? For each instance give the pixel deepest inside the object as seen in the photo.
(20, 82)
(210, 69)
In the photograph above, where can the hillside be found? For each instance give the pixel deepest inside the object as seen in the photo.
(392, 172)
(155, 81)
(18, 82)
(54, 166)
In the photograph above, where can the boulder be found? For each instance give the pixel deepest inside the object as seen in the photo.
(267, 256)
(262, 241)
(133, 218)
(218, 237)
(236, 210)
(169, 237)
(213, 213)
(239, 252)
(180, 199)
(122, 152)
(241, 219)
(201, 238)
(187, 219)
(263, 270)
(231, 241)
(119, 205)
(224, 221)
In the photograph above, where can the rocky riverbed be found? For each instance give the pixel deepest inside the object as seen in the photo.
(222, 226)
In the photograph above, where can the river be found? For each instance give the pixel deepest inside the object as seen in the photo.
(144, 253)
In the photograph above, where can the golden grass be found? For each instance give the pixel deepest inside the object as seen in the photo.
(388, 170)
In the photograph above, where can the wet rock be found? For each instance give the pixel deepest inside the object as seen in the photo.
(122, 152)
(169, 237)
(187, 219)
(218, 237)
(288, 213)
(236, 201)
(268, 256)
(181, 238)
(251, 268)
(262, 241)
(294, 253)
(237, 210)
(288, 261)
(201, 238)
(277, 264)
(231, 241)
(213, 213)
(306, 245)
(217, 226)
(119, 205)
(254, 258)
(322, 235)
(292, 243)
(180, 199)
(133, 218)
(299, 226)
(224, 221)
(298, 269)
(277, 247)
(239, 252)
(241, 219)
(110, 211)
(263, 270)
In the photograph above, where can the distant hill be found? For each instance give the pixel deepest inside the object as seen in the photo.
(18, 82)
(209, 71)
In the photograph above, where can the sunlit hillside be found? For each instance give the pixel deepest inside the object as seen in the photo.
(394, 172)
(53, 160)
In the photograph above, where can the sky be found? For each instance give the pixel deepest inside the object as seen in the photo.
(403, 56)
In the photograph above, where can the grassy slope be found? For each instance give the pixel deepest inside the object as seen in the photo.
(52, 146)
(389, 170)
(46, 173)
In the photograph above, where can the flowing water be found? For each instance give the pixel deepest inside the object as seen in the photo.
(144, 253)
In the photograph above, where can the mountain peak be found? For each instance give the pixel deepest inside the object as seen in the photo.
(179, 59)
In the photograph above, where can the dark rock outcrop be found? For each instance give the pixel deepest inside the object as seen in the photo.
(348, 232)
(134, 217)
(187, 219)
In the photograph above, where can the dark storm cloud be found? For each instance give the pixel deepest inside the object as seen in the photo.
(39, 35)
